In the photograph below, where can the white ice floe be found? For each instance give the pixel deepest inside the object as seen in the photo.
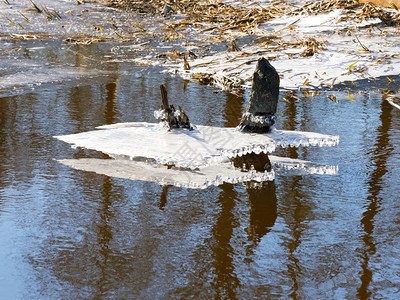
(286, 138)
(203, 146)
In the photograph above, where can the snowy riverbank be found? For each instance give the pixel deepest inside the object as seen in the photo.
(311, 48)
(313, 45)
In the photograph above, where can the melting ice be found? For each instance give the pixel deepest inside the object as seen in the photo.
(199, 157)
(203, 146)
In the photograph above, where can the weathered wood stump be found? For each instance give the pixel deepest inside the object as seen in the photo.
(172, 117)
(260, 112)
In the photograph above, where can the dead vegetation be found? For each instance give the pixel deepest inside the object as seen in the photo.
(233, 17)
(312, 46)
(204, 24)
(225, 23)
(221, 18)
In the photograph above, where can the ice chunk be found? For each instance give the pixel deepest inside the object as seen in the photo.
(203, 146)
(286, 138)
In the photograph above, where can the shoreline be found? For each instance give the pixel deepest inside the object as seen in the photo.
(313, 46)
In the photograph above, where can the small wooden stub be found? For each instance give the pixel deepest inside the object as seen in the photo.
(174, 118)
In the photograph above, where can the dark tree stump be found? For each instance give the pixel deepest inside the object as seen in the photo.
(260, 112)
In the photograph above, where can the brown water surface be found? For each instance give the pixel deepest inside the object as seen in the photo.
(73, 234)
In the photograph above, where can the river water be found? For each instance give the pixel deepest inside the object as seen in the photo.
(66, 233)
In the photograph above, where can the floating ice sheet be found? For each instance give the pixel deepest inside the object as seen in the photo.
(203, 146)
(201, 178)
(286, 138)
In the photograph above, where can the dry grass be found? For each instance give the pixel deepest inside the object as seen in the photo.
(241, 17)
(385, 3)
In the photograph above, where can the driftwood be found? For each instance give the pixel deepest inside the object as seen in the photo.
(172, 117)
(260, 112)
